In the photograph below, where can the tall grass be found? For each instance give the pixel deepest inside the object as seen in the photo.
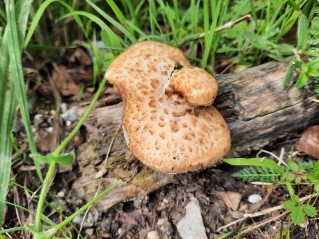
(12, 89)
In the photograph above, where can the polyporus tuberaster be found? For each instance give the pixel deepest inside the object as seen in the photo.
(168, 122)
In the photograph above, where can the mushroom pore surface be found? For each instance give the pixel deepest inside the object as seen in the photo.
(168, 121)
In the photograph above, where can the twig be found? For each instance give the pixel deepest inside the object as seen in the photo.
(218, 29)
(56, 119)
(263, 212)
(19, 213)
(251, 228)
(280, 158)
(315, 100)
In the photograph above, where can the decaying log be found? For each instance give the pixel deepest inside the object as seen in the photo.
(259, 111)
(256, 107)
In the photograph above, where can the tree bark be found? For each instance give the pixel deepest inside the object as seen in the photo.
(259, 111)
(256, 107)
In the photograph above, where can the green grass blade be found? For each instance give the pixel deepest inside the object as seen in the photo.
(13, 229)
(303, 33)
(290, 72)
(113, 37)
(7, 94)
(293, 4)
(261, 162)
(133, 10)
(112, 21)
(152, 16)
(6, 124)
(136, 29)
(87, 205)
(209, 30)
(39, 14)
(18, 78)
(120, 16)
(118, 13)
(169, 14)
(7, 109)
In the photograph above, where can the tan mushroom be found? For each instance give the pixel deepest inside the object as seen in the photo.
(168, 122)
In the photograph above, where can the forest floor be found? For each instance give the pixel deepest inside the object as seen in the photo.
(208, 200)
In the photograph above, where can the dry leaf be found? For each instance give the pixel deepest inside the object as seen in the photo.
(44, 141)
(231, 199)
(309, 141)
(80, 57)
(64, 82)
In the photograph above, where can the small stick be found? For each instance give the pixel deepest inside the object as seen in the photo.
(263, 212)
(218, 29)
(251, 228)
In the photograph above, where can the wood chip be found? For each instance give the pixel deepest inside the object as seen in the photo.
(231, 199)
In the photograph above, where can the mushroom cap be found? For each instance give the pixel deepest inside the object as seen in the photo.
(195, 84)
(167, 123)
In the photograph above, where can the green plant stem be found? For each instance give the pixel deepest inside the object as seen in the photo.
(13, 229)
(78, 126)
(314, 202)
(44, 189)
(57, 152)
(290, 190)
(83, 208)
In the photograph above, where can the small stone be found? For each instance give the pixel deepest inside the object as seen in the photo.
(254, 198)
(70, 115)
(152, 235)
(88, 221)
(49, 130)
(37, 119)
(191, 225)
(236, 214)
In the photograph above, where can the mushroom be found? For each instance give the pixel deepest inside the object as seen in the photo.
(168, 122)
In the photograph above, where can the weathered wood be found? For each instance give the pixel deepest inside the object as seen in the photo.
(256, 107)
(259, 111)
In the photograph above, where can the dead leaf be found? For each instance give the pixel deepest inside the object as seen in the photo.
(231, 199)
(309, 141)
(80, 57)
(44, 140)
(64, 82)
